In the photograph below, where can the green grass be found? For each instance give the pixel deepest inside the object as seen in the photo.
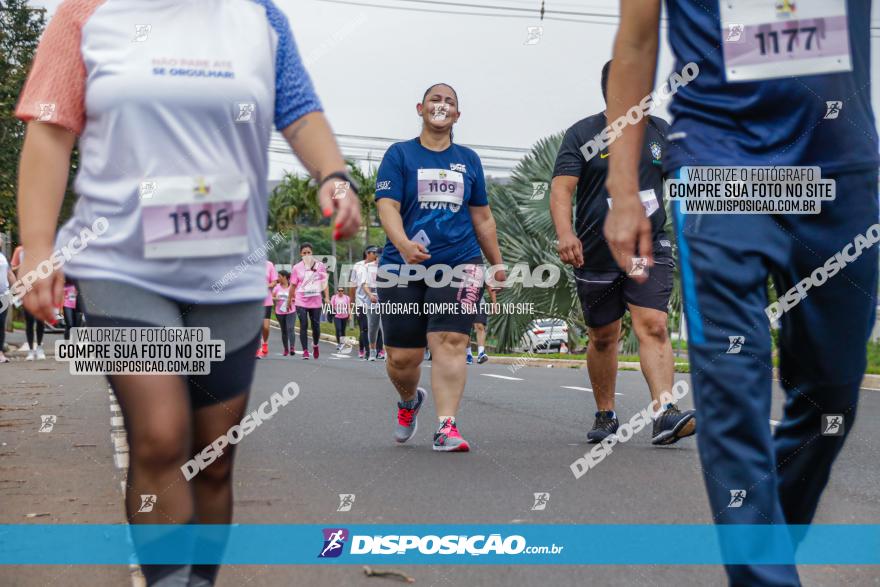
(681, 363)
(873, 358)
(573, 356)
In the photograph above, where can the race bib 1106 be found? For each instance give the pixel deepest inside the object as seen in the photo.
(768, 39)
(195, 217)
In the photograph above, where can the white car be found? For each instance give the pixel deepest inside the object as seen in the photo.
(544, 335)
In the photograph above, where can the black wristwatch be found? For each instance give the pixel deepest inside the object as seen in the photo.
(342, 176)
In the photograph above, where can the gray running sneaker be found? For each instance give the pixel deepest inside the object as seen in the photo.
(407, 422)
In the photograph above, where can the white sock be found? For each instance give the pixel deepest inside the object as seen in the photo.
(481, 350)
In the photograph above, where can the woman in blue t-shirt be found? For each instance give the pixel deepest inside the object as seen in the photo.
(431, 198)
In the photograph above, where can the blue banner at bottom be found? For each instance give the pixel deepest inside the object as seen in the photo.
(484, 544)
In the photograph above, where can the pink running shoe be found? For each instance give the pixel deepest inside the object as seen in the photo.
(316, 351)
(447, 438)
(306, 355)
(285, 353)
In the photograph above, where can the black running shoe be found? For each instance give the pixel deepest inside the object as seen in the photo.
(674, 424)
(604, 426)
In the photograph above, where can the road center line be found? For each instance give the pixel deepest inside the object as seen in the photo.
(501, 376)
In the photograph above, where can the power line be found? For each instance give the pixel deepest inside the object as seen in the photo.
(408, 9)
(496, 7)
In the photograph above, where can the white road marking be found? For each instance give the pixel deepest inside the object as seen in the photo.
(121, 460)
(501, 376)
(574, 387)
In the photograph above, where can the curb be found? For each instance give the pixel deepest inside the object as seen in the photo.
(869, 382)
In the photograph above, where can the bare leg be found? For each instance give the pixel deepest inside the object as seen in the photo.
(448, 371)
(404, 368)
(602, 363)
(655, 349)
(481, 334)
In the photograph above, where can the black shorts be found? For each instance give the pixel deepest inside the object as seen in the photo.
(604, 295)
(410, 330)
(481, 317)
(268, 313)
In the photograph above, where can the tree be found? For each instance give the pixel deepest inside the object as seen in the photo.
(20, 30)
(367, 195)
(526, 235)
(293, 202)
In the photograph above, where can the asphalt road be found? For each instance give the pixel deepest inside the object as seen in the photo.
(336, 438)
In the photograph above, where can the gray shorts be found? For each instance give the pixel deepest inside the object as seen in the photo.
(113, 303)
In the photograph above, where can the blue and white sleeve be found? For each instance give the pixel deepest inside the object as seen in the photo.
(294, 93)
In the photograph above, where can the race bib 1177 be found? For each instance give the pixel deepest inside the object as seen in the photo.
(768, 39)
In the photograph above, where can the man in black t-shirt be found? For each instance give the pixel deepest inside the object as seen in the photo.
(604, 290)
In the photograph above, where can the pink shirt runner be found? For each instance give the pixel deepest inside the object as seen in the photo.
(309, 284)
(281, 292)
(340, 304)
(70, 296)
(271, 275)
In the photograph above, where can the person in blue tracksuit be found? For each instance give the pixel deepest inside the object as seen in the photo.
(753, 101)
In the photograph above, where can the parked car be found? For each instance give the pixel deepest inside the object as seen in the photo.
(544, 335)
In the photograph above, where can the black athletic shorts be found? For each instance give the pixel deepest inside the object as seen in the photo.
(604, 295)
(268, 313)
(410, 330)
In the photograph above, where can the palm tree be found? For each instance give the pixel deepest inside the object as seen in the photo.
(293, 201)
(526, 235)
(367, 195)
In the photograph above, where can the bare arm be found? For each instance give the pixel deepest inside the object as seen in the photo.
(311, 138)
(487, 234)
(570, 249)
(42, 181)
(634, 64)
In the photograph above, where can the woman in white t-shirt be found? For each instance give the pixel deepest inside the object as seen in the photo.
(173, 121)
(7, 278)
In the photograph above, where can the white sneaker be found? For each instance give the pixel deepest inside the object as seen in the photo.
(372, 355)
(31, 355)
(3, 358)
(24, 347)
(41, 354)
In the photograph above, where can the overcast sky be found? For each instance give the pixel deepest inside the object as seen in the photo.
(371, 65)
